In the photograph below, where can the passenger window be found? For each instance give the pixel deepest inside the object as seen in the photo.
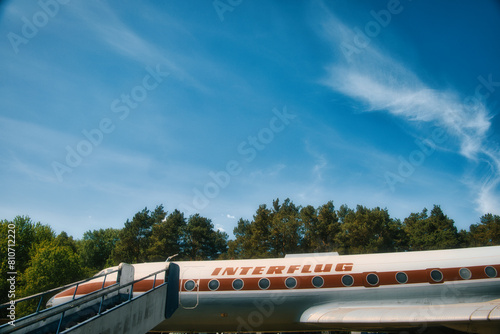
(189, 285)
(238, 284)
(372, 279)
(291, 282)
(213, 284)
(318, 282)
(264, 283)
(490, 272)
(347, 280)
(402, 278)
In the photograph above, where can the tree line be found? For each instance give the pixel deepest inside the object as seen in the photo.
(44, 260)
(286, 228)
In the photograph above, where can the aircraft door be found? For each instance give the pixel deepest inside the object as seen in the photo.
(189, 289)
(172, 290)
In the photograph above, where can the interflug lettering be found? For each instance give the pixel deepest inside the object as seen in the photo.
(280, 270)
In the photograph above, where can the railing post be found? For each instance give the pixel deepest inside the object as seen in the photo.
(104, 280)
(60, 322)
(126, 276)
(131, 292)
(100, 305)
(74, 293)
(39, 304)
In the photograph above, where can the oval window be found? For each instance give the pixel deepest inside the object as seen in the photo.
(189, 285)
(401, 277)
(264, 283)
(372, 279)
(238, 284)
(213, 284)
(436, 275)
(347, 280)
(490, 272)
(318, 281)
(465, 273)
(291, 282)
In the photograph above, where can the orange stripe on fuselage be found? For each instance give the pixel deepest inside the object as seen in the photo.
(335, 280)
(86, 288)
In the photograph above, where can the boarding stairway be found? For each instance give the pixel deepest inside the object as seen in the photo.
(110, 309)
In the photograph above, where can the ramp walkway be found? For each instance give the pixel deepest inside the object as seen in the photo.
(109, 310)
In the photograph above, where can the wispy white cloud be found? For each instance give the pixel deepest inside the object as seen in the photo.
(28, 148)
(488, 199)
(104, 26)
(102, 21)
(320, 163)
(410, 99)
(220, 228)
(382, 83)
(271, 171)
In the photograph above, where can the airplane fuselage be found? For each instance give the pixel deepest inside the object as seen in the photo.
(324, 291)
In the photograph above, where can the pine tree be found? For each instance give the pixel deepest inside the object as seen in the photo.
(436, 231)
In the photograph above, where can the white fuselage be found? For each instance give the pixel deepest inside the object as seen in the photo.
(274, 294)
(374, 282)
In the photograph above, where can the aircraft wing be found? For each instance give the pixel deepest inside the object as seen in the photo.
(473, 315)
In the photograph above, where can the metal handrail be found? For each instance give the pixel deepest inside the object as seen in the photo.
(53, 291)
(61, 309)
(154, 287)
(64, 287)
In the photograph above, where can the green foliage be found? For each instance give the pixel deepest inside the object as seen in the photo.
(167, 237)
(154, 236)
(28, 235)
(53, 264)
(242, 246)
(272, 233)
(64, 240)
(135, 237)
(436, 231)
(369, 231)
(286, 228)
(320, 228)
(202, 241)
(260, 230)
(96, 247)
(485, 233)
(44, 261)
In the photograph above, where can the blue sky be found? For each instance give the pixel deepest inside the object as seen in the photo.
(215, 107)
